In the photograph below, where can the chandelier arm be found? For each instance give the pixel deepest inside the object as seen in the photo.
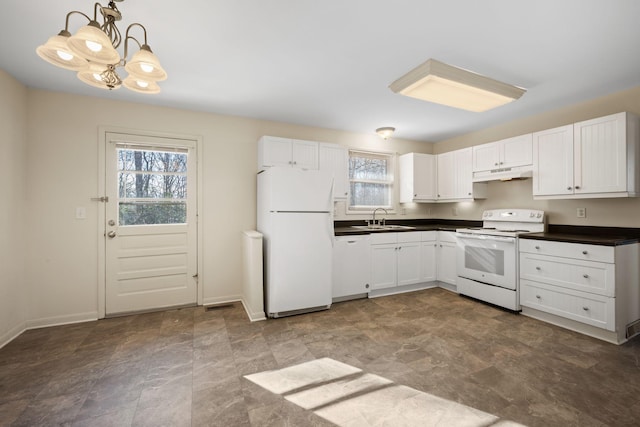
(95, 11)
(66, 24)
(126, 45)
(144, 30)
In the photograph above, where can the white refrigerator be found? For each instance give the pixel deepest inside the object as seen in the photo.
(295, 216)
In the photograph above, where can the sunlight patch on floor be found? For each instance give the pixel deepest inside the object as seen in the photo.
(346, 396)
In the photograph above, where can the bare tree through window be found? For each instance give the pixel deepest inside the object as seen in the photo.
(152, 187)
(371, 180)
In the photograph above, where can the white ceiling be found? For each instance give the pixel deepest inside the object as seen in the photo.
(329, 63)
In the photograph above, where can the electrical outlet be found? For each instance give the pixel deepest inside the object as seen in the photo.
(581, 212)
(403, 211)
(454, 211)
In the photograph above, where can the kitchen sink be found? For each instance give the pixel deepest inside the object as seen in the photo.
(383, 227)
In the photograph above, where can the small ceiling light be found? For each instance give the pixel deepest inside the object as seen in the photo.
(385, 132)
(444, 84)
(92, 52)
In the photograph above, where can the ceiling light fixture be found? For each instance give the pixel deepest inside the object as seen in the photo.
(435, 81)
(91, 52)
(385, 132)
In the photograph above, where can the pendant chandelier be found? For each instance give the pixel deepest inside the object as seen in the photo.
(91, 52)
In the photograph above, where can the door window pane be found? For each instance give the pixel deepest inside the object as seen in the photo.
(152, 187)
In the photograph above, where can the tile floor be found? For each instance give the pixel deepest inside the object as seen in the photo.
(185, 367)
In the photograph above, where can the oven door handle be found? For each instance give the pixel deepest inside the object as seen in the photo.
(486, 237)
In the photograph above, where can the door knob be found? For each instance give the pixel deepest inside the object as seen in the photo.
(111, 234)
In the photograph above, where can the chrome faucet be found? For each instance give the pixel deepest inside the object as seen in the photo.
(373, 221)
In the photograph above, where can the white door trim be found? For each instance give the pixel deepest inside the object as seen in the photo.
(101, 191)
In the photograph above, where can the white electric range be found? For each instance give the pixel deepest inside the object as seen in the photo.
(487, 257)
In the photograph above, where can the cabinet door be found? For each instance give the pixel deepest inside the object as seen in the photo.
(383, 266)
(304, 154)
(516, 151)
(600, 156)
(408, 258)
(486, 157)
(424, 177)
(335, 158)
(446, 176)
(464, 173)
(553, 162)
(428, 261)
(275, 151)
(447, 262)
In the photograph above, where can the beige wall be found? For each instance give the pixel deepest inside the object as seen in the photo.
(518, 194)
(13, 173)
(61, 159)
(63, 156)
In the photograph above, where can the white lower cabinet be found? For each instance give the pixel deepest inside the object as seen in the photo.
(351, 258)
(446, 259)
(428, 264)
(592, 289)
(395, 259)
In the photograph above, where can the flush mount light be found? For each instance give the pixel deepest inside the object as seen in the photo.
(92, 52)
(444, 84)
(385, 132)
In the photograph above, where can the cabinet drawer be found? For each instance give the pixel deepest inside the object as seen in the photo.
(447, 236)
(586, 276)
(595, 310)
(568, 250)
(428, 236)
(409, 236)
(383, 238)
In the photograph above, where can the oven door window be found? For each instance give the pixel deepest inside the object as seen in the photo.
(486, 260)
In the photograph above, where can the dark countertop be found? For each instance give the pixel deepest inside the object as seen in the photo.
(604, 236)
(345, 228)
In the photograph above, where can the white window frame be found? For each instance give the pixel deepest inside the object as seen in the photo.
(364, 209)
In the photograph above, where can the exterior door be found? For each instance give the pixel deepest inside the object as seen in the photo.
(150, 223)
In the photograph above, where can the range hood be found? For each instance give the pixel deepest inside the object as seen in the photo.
(503, 174)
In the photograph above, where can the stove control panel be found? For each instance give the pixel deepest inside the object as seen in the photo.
(513, 215)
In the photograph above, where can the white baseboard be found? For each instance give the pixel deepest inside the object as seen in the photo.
(221, 300)
(12, 333)
(254, 317)
(401, 289)
(61, 320)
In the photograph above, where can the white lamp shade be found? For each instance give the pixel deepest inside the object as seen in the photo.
(144, 65)
(141, 86)
(56, 51)
(91, 76)
(94, 45)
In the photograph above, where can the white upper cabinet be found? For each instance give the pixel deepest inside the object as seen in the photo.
(605, 154)
(335, 158)
(590, 159)
(455, 177)
(553, 162)
(276, 151)
(417, 177)
(507, 153)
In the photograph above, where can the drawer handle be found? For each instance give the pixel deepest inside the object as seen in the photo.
(538, 296)
(538, 268)
(586, 276)
(585, 308)
(584, 252)
(537, 247)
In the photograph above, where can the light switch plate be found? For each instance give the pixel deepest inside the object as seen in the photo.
(81, 212)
